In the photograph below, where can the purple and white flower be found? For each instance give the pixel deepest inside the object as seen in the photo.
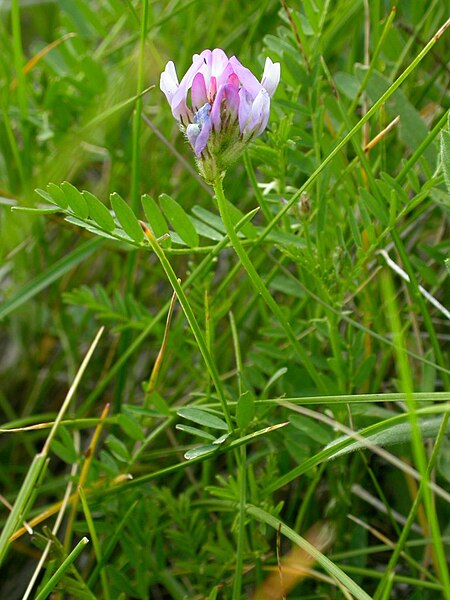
(220, 106)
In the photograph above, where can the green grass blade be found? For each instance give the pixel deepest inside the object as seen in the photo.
(57, 270)
(56, 577)
(329, 566)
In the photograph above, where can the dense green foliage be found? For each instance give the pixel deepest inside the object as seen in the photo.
(298, 391)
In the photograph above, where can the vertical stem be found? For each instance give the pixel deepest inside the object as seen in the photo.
(241, 456)
(189, 314)
(131, 263)
(261, 288)
(384, 582)
(405, 376)
(21, 91)
(237, 584)
(135, 165)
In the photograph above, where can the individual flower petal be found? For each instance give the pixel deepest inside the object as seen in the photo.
(261, 107)
(169, 85)
(186, 82)
(259, 115)
(219, 60)
(198, 92)
(169, 81)
(226, 103)
(202, 115)
(205, 56)
(271, 76)
(198, 132)
(246, 77)
(233, 80)
(223, 77)
(203, 137)
(232, 96)
(192, 133)
(182, 113)
(245, 106)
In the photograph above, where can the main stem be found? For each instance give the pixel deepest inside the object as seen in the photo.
(260, 286)
(189, 314)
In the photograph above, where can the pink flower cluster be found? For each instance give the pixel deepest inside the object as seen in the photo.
(219, 103)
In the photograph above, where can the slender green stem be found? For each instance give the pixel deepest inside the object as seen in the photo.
(95, 542)
(261, 288)
(112, 542)
(237, 583)
(373, 61)
(417, 500)
(330, 567)
(421, 149)
(242, 469)
(404, 372)
(413, 285)
(135, 163)
(21, 90)
(210, 364)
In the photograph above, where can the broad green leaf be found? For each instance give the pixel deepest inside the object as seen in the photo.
(443, 460)
(154, 216)
(57, 195)
(202, 417)
(46, 196)
(98, 212)
(131, 427)
(354, 227)
(245, 410)
(195, 431)
(140, 411)
(222, 439)
(445, 157)
(155, 399)
(200, 451)
(64, 447)
(94, 228)
(45, 210)
(179, 220)
(205, 230)
(248, 230)
(127, 218)
(395, 434)
(364, 370)
(317, 432)
(75, 200)
(65, 453)
(117, 448)
(347, 84)
(209, 218)
(109, 463)
(374, 205)
(274, 378)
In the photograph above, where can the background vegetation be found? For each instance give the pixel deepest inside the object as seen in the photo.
(349, 236)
